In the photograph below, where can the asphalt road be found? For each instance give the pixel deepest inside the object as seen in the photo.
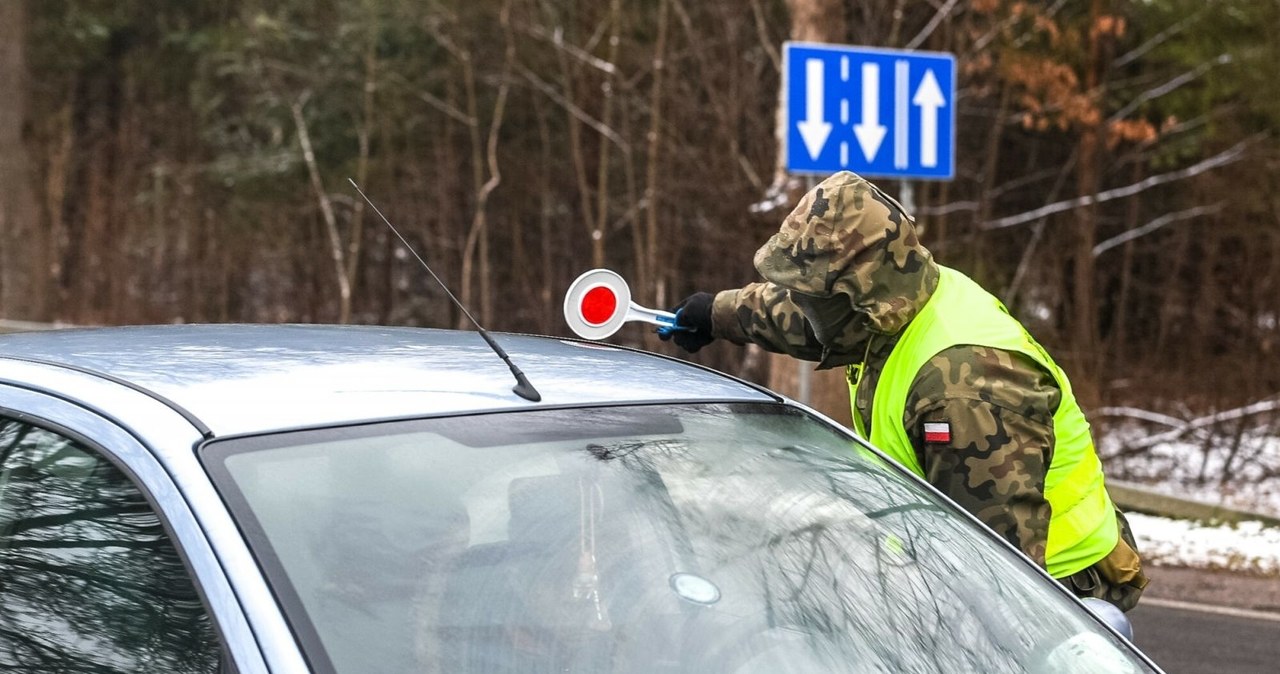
(1184, 641)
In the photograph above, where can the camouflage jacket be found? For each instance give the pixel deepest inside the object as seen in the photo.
(1000, 407)
(843, 276)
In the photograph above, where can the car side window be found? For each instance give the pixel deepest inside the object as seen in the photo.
(89, 579)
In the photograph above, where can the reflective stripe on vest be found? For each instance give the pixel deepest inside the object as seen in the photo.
(1082, 529)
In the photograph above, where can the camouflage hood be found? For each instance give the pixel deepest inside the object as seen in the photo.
(848, 246)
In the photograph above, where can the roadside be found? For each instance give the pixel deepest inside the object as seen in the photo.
(1214, 587)
(1204, 553)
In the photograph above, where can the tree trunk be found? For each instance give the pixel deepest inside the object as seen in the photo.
(606, 118)
(811, 21)
(817, 20)
(827, 391)
(1088, 179)
(1119, 338)
(651, 278)
(337, 252)
(478, 237)
(991, 164)
(21, 239)
(355, 237)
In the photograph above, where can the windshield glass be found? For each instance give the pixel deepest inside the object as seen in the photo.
(700, 538)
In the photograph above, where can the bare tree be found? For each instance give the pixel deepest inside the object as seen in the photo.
(649, 264)
(826, 390)
(337, 251)
(21, 240)
(478, 236)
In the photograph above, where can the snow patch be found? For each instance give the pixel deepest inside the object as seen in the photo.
(1248, 546)
(1236, 470)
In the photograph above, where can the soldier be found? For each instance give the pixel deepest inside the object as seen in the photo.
(941, 378)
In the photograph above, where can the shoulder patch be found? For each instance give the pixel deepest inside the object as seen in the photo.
(937, 432)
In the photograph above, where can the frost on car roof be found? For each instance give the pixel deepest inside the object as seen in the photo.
(252, 378)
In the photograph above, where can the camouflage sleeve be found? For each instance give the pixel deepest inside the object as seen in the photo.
(763, 314)
(823, 329)
(999, 407)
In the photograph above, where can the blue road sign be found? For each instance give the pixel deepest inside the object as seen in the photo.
(876, 112)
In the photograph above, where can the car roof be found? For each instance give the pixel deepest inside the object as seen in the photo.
(236, 379)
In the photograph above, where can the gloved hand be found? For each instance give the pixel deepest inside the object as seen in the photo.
(693, 323)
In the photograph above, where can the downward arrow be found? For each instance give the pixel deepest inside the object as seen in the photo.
(870, 132)
(813, 128)
(929, 98)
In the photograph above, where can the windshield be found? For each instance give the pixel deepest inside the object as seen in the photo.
(699, 538)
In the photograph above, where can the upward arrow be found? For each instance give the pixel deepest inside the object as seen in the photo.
(870, 132)
(929, 98)
(813, 128)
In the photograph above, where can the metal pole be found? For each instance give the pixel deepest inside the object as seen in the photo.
(804, 382)
(804, 371)
(907, 197)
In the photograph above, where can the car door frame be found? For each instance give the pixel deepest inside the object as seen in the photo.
(115, 443)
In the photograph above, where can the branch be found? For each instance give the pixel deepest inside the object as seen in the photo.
(1170, 86)
(495, 125)
(1166, 219)
(606, 113)
(1140, 415)
(969, 206)
(948, 208)
(326, 206)
(1160, 38)
(723, 114)
(766, 43)
(986, 39)
(364, 130)
(431, 99)
(596, 36)
(575, 110)
(479, 220)
(648, 264)
(1185, 427)
(1228, 156)
(1037, 231)
(556, 38)
(942, 13)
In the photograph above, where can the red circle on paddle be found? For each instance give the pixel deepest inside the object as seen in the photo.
(598, 305)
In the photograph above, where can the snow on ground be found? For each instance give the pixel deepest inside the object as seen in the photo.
(1249, 546)
(1237, 472)
(1240, 471)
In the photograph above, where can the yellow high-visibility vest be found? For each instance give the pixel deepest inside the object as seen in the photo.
(1082, 529)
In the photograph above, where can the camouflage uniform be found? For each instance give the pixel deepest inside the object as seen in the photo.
(844, 275)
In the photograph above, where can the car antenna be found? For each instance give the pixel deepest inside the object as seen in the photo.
(523, 388)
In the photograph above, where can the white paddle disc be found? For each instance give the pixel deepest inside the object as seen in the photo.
(599, 302)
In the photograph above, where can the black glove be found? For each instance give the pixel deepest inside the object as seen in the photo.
(693, 323)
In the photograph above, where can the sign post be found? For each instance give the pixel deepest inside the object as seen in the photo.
(877, 112)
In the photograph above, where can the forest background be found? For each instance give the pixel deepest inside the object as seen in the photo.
(165, 161)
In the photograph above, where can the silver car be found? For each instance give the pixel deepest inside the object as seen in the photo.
(364, 500)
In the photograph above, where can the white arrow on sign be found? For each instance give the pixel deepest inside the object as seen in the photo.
(870, 132)
(813, 128)
(929, 98)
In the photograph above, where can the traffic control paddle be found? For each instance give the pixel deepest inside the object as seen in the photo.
(599, 302)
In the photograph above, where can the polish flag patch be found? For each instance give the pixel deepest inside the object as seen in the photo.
(937, 432)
